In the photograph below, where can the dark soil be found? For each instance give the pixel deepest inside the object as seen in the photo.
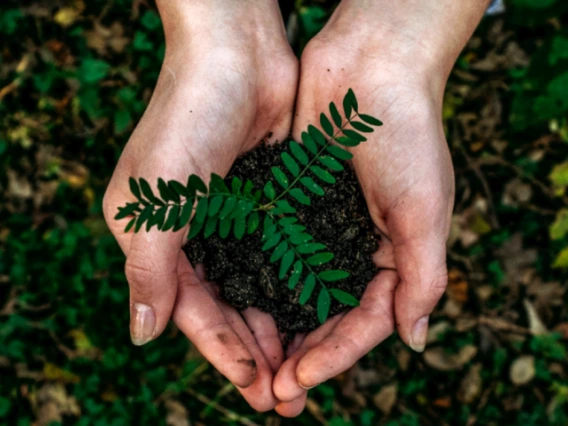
(340, 219)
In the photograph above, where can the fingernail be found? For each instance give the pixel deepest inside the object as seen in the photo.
(142, 324)
(419, 334)
(307, 387)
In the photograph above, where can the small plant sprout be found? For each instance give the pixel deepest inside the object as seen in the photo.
(242, 208)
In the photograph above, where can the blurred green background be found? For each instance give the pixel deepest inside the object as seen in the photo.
(76, 75)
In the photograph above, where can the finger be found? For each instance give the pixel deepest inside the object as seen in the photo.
(292, 408)
(151, 271)
(200, 319)
(286, 387)
(259, 394)
(420, 256)
(360, 330)
(266, 334)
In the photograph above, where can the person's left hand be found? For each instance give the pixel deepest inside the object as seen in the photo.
(406, 175)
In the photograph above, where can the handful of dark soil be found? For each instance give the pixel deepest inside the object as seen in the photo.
(340, 220)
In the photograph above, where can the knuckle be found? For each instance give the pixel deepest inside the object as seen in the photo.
(140, 278)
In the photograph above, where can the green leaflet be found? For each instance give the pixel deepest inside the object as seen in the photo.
(298, 153)
(299, 195)
(308, 289)
(286, 263)
(195, 183)
(326, 124)
(295, 276)
(290, 164)
(309, 183)
(280, 176)
(324, 302)
(333, 275)
(336, 117)
(343, 297)
(323, 174)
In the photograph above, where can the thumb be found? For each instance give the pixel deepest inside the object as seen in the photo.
(151, 271)
(419, 245)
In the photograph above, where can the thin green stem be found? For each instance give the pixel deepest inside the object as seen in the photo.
(298, 255)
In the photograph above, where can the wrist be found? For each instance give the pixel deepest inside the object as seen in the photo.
(424, 38)
(220, 23)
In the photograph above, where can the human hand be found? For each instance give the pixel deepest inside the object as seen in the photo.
(404, 168)
(228, 80)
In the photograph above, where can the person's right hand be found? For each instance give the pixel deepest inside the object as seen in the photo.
(228, 80)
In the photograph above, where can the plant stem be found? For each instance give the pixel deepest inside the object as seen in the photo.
(306, 168)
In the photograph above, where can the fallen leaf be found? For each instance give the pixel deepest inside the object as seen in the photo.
(66, 16)
(385, 399)
(536, 326)
(441, 360)
(471, 385)
(177, 413)
(522, 370)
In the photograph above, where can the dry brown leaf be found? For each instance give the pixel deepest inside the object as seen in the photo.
(471, 385)
(441, 360)
(457, 286)
(522, 370)
(386, 398)
(536, 326)
(177, 413)
(52, 402)
(436, 330)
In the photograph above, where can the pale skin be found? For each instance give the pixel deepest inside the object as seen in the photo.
(228, 80)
